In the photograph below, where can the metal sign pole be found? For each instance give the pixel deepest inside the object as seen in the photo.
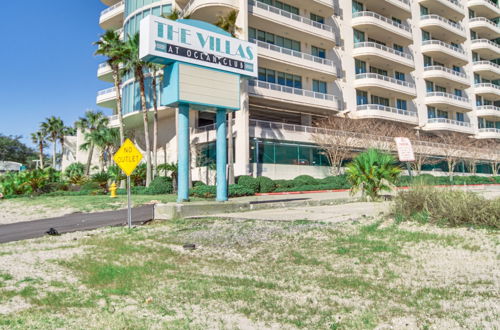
(129, 217)
(408, 166)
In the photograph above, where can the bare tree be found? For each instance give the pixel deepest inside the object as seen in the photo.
(454, 151)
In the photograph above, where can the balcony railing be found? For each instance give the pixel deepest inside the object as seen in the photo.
(489, 130)
(384, 78)
(488, 107)
(387, 109)
(489, 42)
(456, 3)
(382, 18)
(448, 95)
(291, 90)
(291, 52)
(107, 10)
(384, 48)
(487, 63)
(447, 70)
(483, 19)
(444, 20)
(491, 3)
(448, 121)
(444, 44)
(106, 91)
(287, 14)
(487, 85)
(103, 65)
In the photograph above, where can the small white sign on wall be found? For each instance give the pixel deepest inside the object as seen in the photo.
(405, 149)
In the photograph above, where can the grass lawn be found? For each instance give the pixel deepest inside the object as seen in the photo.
(251, 274)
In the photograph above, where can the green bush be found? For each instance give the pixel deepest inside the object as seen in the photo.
(447, 206)
(266, 185)
(305, 180)
(161, 185)
(249, 182)
(75, 173)
(204, 191)
(336, 182)
(283, 184)
(92, 188)
(236, 190)
(101, 179)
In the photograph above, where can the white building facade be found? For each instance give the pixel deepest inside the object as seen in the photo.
(428, 64)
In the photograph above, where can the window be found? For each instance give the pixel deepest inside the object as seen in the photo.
(379, 100)
(361, 97)
(378, 71)
(429, 86)
(319, 86)
(431, 112)
(427, 61)
(317, 18)
(319, 52)
(356, 6)
(397, 20)
(440, 89)
(460, 116)
(401, 104)
(281, 78)
(426, 35)
(479, 100)
(360, 66)
(286, 7)
(458, 92)
(424, 11)
(397, 47)
(399, 76)
(359, 36)
(456, 68)
(442, 114)
(274, 39)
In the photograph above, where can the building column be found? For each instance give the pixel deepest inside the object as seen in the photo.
(221, 150)
(183, 152)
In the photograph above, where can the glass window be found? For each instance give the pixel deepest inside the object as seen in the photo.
(286, 154)
(359, 36)
(317, 18)
(429, 86)
(431, 112)
(252, 34)
(424, 10)
(320, 86)
(356, 6)
(360, 66)
(399, 76)
(460, 116)
(427, 61)
(379, 100)
(426, 35)
(442, 114)
(401, 104)
(319, 52)
(397, 47)
(458, 92)
(361, 97)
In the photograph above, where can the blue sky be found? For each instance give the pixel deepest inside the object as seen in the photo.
(47, 66)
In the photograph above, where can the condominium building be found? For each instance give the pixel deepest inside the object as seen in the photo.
(428, 64)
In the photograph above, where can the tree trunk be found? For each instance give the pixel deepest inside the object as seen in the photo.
(54, 147)
(146, 126)
(62, 150)
(116, 78)
(89, 159)
(41, 156)
(155, 127)
(230, 149)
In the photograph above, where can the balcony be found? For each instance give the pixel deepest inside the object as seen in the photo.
(488, 133)
(444, 52)
(209, 10)
(104, 72)
(383, 56)
(300, 60)
(443, 29)
(486, 49)
(391, 8)
(378, 26)
(451, 9)
(107, 98)
(488, 91)
(445, 76)
(113, 121)
(110, 2)
(382, 85)
(448, 102)
(112, 18)
(299, 97)
(265, 17)
(445, 124)
(487, 69)
(484, 8)
(489, 112)
(484, 27)
(388, 113)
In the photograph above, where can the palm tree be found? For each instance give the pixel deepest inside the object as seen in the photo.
(91, 122)
(53, 126)
(107, 140)
(135, 65)
(111, 46)
(371, 172)
(228, 24)
(175, 15)
(65, 131)
(38, 138)
(155, 68)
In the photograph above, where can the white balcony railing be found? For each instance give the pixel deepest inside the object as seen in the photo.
(382, 18)
(489, 42)
(448, 121)
(449, 96)
(291, 52)
(489, 130)
(444, 20)
(106, 91)
(491, 3)
(287, 14)
(488, 107)
(456, 3)
(487, 63)
(383, 48)
(387, 109)
(113, 7)
(484, 19)
(444, 44)
(103, 65)
(291, 90)
(447, 70)
(384, 78)
(487, 85)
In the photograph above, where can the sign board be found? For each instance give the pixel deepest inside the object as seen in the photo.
(405, 149)
(164, 41)
(128, 157)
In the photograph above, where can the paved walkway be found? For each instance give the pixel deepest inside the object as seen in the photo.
(73, 222)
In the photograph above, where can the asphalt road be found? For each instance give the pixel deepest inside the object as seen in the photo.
(74, 222)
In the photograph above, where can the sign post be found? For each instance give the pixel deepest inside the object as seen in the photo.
(405, 152)
(127, 158)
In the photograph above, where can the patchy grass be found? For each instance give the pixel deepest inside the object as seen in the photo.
(250, 274)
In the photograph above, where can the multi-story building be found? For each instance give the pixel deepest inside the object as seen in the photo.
(428, 64)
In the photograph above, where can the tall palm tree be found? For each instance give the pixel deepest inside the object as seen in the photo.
(65, 131)
(91, 122)
(53, 126)
(111, 46)
(107, 140)
(175, 15)
(38, 138)
(155, 68)
(228, 24)
(135, 65)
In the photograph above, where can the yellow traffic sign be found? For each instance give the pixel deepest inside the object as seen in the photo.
(128, 157)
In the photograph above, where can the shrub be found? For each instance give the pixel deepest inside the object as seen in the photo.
(248, 182)
(101, 179)
(236, 190)
(116, 174)
(91, 188)
(266, 185)
(204, 191)
(283, 184)
(336, 182)
(138, 177)
(304, 180)
(198, 183)
(161, 185)
(75, 173)
(447, 206)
